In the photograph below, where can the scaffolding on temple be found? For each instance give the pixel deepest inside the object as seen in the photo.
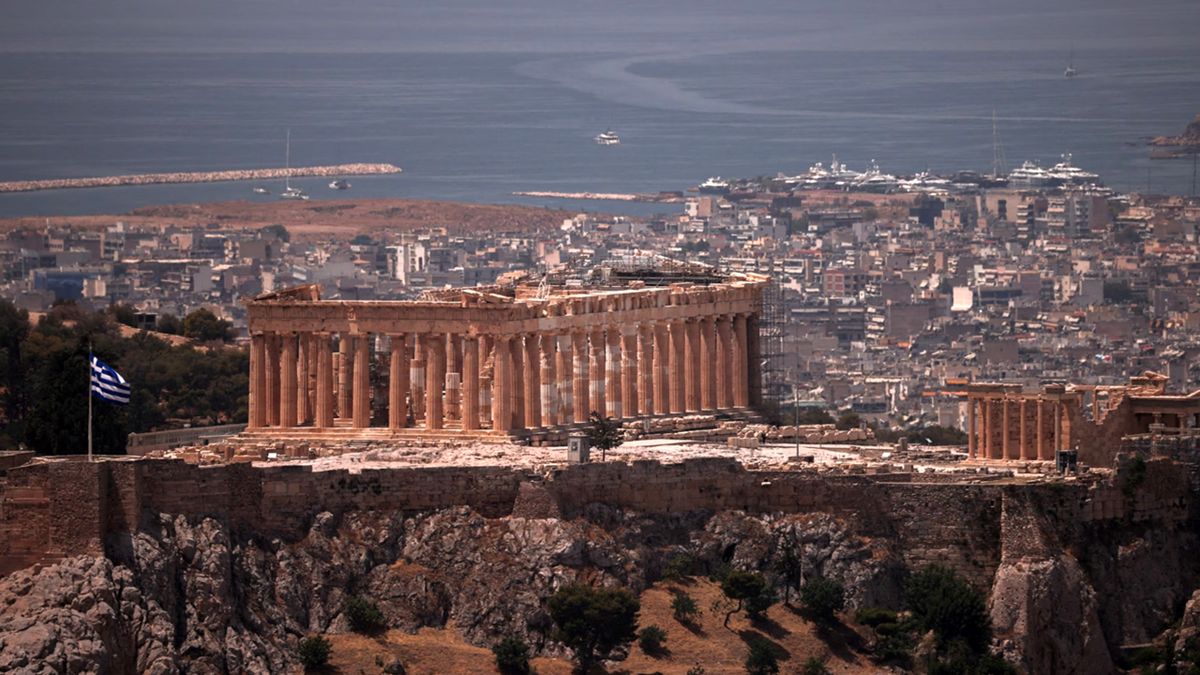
(771, 329)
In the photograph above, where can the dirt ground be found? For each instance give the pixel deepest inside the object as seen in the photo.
(706, 642)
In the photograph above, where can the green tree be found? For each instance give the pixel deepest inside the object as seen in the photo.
(742, 587)
(761, 660)
(602, 432)
(314, 651)
(170, 324)
(57, 422)
(512, 656)
(815, 666)
(278, 231)
(789, 566)
(205, 326)
(684, 608)
(943, 603)
(364, 616)
(653, 640)
(849, 421)
(823, 599)
(592, 622)
(123, 313)
(14, 329)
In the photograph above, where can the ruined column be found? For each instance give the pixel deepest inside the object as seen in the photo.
(533, 382)
(970, 427)
(324, 418)
(724, 363)
(596, 393)
(517, 349)
(303, 412)
(754, 358)
(565, 367)
(1041, 429)
(435, 375)
(708, 363)
(453, 404)
(398, 383)
(287, 382)
(662, 368)
(549, 379)
(273, 374)
(345, 366)
(1006, 428)
(416, 375)
(692, 365)
(502, 370)
(487, 379)
(646, 369)
(470, 412)
(258, 382)
(613, 402)
(741, 370)
(1057, 427)
(313, 364)
(985, 417)
(629, 370)
(361, 402)
(580, 385)
(677, 367)
(1023, 445)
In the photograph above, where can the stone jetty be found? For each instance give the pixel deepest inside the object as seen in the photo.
(201, 177)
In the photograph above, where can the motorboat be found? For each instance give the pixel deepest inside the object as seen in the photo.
(339, 185)
(261, 191)
(608, 137)
(714, 186)
(1068, 173)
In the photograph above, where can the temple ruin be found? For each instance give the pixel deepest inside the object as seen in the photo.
(501, 360)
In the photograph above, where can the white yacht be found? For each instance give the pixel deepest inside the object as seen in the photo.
(714, 186)
(608, 137)
(874, 180)
(1066, 172)
(290, 192)
(339, 184)
(1030, 174)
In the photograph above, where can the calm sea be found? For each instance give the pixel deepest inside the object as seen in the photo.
(480, 126)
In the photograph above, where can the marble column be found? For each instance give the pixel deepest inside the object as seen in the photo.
(629, 370)
(985, 410)
(453, 404)
(1022, 429)
(741, 368)
(547, 344)
(517, 351)
(258, 382)
(662, 369)
(596, 392)
(470, 413)
(345, 367)
(579, 345)
(1041, 429)
(502, 371)
(1057, 428)
(564, 366)
(302, 411)
(1006, 428)
(677, 367)
(435, 375)
(487, 378)
(398, 383)
(614, 404)
(646, 369)
(324, 418)
(287, 381)
(272, 379)
(970, 428)
(533, 382)
(724, 362)
(708, 363)
(692, 364)
(416, 375)
(313, 358)
(361, 398)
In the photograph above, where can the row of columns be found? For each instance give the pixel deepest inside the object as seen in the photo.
(1016, 428)
(507, 382)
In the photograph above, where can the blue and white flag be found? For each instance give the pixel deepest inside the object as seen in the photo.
(107, 384)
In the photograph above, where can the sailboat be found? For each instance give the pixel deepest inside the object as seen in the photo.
(290, 192)
(1070, 71)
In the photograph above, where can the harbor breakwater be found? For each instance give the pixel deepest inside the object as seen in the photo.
(334, 171)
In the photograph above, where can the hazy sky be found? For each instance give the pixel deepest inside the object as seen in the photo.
(636, 26)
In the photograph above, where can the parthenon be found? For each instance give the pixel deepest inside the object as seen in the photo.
(501, 360)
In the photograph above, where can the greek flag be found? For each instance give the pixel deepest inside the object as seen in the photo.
(107, 384)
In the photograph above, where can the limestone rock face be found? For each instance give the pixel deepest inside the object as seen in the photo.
(1044, 614)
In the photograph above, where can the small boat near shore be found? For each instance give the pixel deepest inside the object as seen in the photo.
(261, 191)
(339, 184)
(608, 137)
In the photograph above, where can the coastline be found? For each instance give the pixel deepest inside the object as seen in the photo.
(336, 170)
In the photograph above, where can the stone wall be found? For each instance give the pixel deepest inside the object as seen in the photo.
(56, 508)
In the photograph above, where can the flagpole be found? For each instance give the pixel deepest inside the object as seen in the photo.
(89, 383)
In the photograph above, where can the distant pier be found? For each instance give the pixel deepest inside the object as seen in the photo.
(661, 197)
(201, 177)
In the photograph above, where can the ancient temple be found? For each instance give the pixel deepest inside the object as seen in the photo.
(502, 360)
